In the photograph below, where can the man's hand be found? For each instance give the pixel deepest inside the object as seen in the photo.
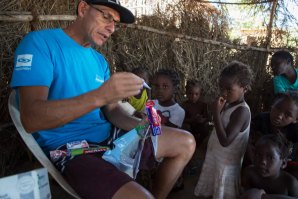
(38, 113)
(139, 114)
(121, 85)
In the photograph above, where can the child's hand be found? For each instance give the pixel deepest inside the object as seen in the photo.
(253, 193)
(219, 104)
(163, 119)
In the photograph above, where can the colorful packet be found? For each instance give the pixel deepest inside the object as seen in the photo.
(77, 144)
(75, 152)
(153, 117)
(56, 154)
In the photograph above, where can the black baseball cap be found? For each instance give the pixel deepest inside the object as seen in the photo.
(126, 15)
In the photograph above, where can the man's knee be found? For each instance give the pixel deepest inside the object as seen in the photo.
(132, 190)
(176, 142)
(188, 143)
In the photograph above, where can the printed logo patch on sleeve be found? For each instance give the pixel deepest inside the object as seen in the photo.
(24, 62)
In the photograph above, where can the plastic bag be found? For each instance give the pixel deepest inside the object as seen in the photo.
(126, 154)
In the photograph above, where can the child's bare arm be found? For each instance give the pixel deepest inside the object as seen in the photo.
(238, 119)
(253, 193)
(293, 189)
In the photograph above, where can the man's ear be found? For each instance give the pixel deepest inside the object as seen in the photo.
(284, 163)
(82, 8)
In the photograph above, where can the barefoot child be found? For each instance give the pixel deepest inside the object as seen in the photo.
(220, 175)
(165, 87)
(266, 179)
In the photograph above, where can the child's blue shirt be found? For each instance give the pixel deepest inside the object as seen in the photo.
(282, 84)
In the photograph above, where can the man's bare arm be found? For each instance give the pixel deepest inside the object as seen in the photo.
(119, 117)
(38, 113)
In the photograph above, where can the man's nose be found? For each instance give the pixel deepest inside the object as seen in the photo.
(111, 27)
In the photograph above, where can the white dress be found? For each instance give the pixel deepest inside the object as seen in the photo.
(220, 175)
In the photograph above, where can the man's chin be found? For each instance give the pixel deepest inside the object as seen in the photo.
(98, 42)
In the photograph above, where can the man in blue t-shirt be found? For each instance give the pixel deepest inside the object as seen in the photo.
(66, 94)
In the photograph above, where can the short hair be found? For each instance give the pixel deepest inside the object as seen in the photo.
(174, 76)
(278, 140)
(284, 55)
(193, 83)
(291, 95)
(240, 71)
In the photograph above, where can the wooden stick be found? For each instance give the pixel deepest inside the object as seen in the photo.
(7, 17)
(208, 41)
(28, 18)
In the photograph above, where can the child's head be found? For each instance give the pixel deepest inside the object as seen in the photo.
(235, 79)
(193, 90)
(271, 154)
(281, 61)
(142, 73)
(284, 109)
(166, 84)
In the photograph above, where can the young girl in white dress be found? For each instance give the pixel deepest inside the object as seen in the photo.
(220, 175)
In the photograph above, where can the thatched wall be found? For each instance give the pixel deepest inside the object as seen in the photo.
(132, 47)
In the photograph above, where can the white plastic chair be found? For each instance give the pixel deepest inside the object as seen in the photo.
(34, 147)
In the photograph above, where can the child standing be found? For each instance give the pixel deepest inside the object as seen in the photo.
(196, 112)
(165, 87)
(220, 175)
(285, 75)
(266, 179)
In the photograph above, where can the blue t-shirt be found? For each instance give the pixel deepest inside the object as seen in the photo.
(51, 58)
(282, 84)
